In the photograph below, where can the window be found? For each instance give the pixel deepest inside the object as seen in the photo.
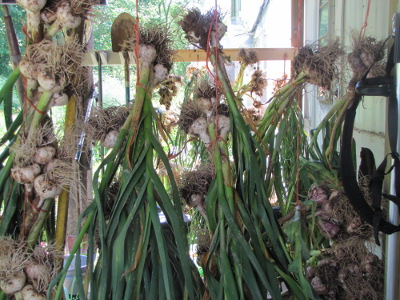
(325, 26)
(325, 33)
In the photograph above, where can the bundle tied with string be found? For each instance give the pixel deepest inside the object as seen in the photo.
(349, 270)
(258, 82)
(196, 115)
(192, 120)
(194, 186)
(104, 124)
(366, 52)
(197, 26)
(169, 89)
(45, 164)
(204, 93)
(52, 67)
(27, 272)
(318, 63)
(66, 14)
(32, 152)
(336, 218)
(154, 50)
(41, 269)
(247, 57)
(12, 260)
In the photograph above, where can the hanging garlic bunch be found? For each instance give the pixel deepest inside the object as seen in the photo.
(40, 270)
(198, 114)
(196, 27)
(65, 14)
(168, 90)
(43, 166)
(193, 120)
(194, 186)
(246, 58)
(31, 154)
(48, 68)
(217, 113)
(12, 260)
(104, 124)
(24, 272)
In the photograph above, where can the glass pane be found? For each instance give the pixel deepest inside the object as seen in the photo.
(323, 21)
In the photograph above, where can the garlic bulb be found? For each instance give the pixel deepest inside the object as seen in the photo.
(147, 53)
(191, 36)
(199, 128)
(65, 17)
(13, 284)
(26, 68)
(44, 154)
(25, 175)
(222, 29)
(29, 293)
(49, 166)
(318, 285)
(160, 74)
(50, 83)
(224, 126)
(196, 200)
(38, 274)
(110, 139)
(46, 188)
(29, 70)
(59, 99)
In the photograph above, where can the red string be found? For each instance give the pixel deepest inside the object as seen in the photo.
(33, 105)
(215, 76)
(363, 28)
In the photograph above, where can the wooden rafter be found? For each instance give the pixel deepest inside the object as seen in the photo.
(191, 55)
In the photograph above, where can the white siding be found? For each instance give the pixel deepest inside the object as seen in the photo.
(349, 16)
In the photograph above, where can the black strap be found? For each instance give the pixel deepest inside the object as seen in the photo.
(376, 184)
(371, 215)
(367, 163)
(394, 199)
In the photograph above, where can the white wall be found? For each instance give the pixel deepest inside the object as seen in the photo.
(370, 124)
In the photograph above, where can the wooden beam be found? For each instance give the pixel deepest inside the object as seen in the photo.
(297, 23)
(192, 55)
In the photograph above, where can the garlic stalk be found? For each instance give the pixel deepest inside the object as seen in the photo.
(33, 8)
(147, 54)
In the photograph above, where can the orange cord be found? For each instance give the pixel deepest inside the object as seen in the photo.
(33, 105)
(363, 28)
(217, 82)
